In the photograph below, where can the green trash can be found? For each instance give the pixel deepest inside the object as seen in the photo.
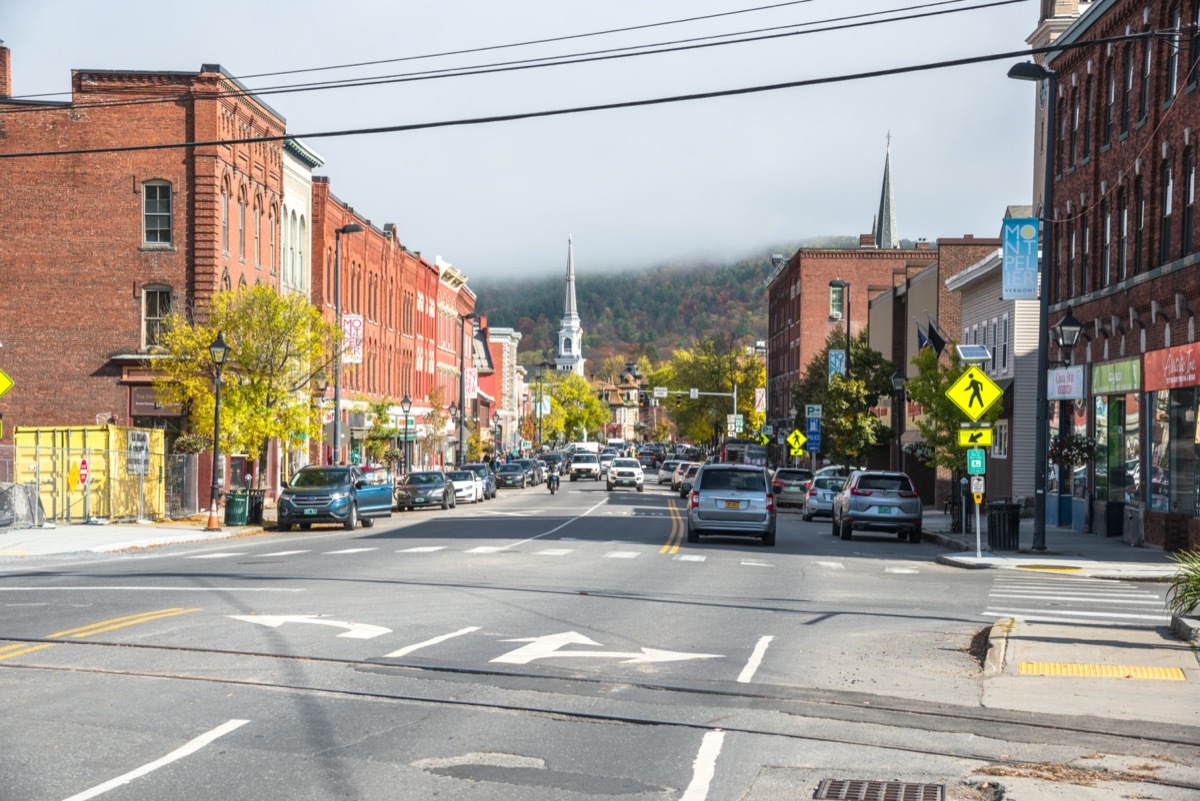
(235, 508)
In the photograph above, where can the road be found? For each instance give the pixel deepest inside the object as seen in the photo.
(531, 647)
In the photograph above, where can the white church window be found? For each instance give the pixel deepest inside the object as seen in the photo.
(567, 345)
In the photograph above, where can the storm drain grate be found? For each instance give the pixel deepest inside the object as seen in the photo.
(862, 790)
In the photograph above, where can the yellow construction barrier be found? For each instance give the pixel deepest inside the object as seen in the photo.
(83, 472)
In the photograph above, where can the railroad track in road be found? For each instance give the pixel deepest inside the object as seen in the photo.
(714, 705)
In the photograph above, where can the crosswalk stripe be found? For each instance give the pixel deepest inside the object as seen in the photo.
(688, 557)
(352, 550)
(554, 552)
(901, 570)
(285, 553)
(423, 549)
(1083, 598)
(756, 563)
(1078, 614)
(222, 555)
(832, 565)
(622, 555)
(486, 549)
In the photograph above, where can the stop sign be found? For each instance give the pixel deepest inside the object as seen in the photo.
(83, 471)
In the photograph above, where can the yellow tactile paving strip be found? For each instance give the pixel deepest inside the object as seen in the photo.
(1100, 671)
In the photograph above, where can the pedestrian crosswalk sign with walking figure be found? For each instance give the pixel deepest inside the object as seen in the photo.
(974, 392)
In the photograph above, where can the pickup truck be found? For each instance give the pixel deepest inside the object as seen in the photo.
(333, 494)
(584, 465)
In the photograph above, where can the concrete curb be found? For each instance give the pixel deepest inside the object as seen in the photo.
(997, 646)
(1186, 628)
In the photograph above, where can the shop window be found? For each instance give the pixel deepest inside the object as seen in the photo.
(1182, 450)
(1105, 458)
(1160, 453)
(1133, 450)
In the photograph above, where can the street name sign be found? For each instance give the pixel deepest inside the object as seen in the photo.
(974, 392)
(660, 392)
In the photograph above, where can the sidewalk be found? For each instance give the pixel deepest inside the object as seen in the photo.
(111, 538)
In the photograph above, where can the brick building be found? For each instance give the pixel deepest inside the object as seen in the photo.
(1123, 262)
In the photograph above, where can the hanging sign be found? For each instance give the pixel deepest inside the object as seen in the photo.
(1065, 383)
(1172, 368)
(1019, 266)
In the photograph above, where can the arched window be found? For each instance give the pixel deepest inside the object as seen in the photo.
(567, 345)
(283, 251)
(257, 234)
(241, 227)
(271, 235)
(289, 277)
(301, 271)
(225, 219)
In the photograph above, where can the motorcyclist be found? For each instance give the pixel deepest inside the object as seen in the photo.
(552, 482)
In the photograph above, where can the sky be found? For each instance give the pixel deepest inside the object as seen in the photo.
(707, 179)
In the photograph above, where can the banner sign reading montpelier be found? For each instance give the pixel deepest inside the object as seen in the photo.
(1019, 251)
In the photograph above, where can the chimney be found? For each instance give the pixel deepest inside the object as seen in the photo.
(923, 244)
(866, 241)
(5, 70)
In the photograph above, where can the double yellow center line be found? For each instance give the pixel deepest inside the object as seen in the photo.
(677, 529)
(20, 648)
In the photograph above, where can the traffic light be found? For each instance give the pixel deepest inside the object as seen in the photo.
(678, 403)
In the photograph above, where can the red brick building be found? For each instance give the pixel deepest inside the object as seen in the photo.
(1123, 260)
(99, 246)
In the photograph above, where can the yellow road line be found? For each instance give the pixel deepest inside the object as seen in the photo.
(121, 622)
(26, 648)
(676, 535)
(1100, 671)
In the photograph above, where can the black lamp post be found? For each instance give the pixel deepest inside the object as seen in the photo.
(406, 407)
(219, 351)
(320, 384)
(838, 283)
(1066, 333)
(349, 228)
(898, 380)
(1029, 71)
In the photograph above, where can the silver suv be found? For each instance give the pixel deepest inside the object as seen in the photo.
(878, 500)
(732, 499)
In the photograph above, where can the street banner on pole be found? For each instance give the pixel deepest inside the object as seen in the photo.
(352, 339)
(1019, 266)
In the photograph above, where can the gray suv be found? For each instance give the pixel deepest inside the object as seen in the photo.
(878, 500)
(731, 499)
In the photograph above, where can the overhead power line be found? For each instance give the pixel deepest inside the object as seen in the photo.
(676, 46)
(419, 126)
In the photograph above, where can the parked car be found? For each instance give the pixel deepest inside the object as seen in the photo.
(689, 478)
(666, 469)
(425, 488)
(486, 476)
(839, 470)
(819, 498)
(468, 486)
(790, 485)
(332, 494)
(511, 475)
(533, 473)
(878, 500)
(626, 473)
(731, 499)
(585, 465)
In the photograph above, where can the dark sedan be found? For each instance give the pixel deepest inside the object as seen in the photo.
(511, 475)
(426, 488)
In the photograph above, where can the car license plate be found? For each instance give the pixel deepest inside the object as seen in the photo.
(793, 486)
(885, 510)
(418, 500)
(310, 511)
(733, 505)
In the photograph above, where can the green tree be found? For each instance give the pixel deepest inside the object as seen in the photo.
(849, 430)
(381, 436)
(277, 345)
(714, 365)
(434, 440)
(581, 411)
(475, 449)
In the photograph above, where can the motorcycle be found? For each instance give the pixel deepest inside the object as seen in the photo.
(552, 481)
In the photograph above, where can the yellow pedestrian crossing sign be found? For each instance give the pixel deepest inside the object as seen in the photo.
(797, 439)
(975, 437)
(974, 392)
(6, 383)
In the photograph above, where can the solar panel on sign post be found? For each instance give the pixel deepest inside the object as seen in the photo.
(974, 353)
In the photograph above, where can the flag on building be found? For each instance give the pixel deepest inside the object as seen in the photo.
(936, 341)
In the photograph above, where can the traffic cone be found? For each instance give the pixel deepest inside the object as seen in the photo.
(213, 525)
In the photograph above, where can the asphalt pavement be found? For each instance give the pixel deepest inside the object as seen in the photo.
(1134, 672)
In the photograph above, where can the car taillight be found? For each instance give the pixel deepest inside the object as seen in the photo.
(857, 491)
(770, 502)
(908, 494)
(776, 483)
(812, 493)
(695, 499)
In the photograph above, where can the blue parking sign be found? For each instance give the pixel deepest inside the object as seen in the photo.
(814, 442)
(812, 427)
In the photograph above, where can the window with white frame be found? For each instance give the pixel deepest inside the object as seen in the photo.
(225, 220)
(837, 302)
(1000, 439)
(1004, 344)
(156, 213)
(156, 308)
(241, 228)
(995, 345)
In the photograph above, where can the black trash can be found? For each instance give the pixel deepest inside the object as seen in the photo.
(254, 507)
(1004, 526)
(235, 508)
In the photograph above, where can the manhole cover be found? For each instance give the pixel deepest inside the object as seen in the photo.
(864, 790)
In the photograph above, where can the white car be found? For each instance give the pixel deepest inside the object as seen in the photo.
(606, 460)
(666, 469)
(626, 473)
(468, 486)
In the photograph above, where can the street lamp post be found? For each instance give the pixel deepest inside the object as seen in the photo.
(1030, 71)
(406, 407)
(838, 283)
(349, 228)
(462, 380)
(898, 380)
(1066, 333)
(453, 411)
(321, 384)
(219, 352)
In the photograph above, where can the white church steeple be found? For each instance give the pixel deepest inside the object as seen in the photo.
(570, 334)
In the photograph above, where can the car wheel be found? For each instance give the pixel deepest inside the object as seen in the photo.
(914, 536)
(368, 522)
(833, 522)
(572, 478)
(352, 518)
(305, 526)
(768, 539)
(283, 526)
(807, 517)
(692, 534)
(608, 487)
(844, 530)
(640, 487)
(445, 502)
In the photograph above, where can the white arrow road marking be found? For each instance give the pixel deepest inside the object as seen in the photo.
(547, 647)
(355, 631)
(755, 659)
(179, 753)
